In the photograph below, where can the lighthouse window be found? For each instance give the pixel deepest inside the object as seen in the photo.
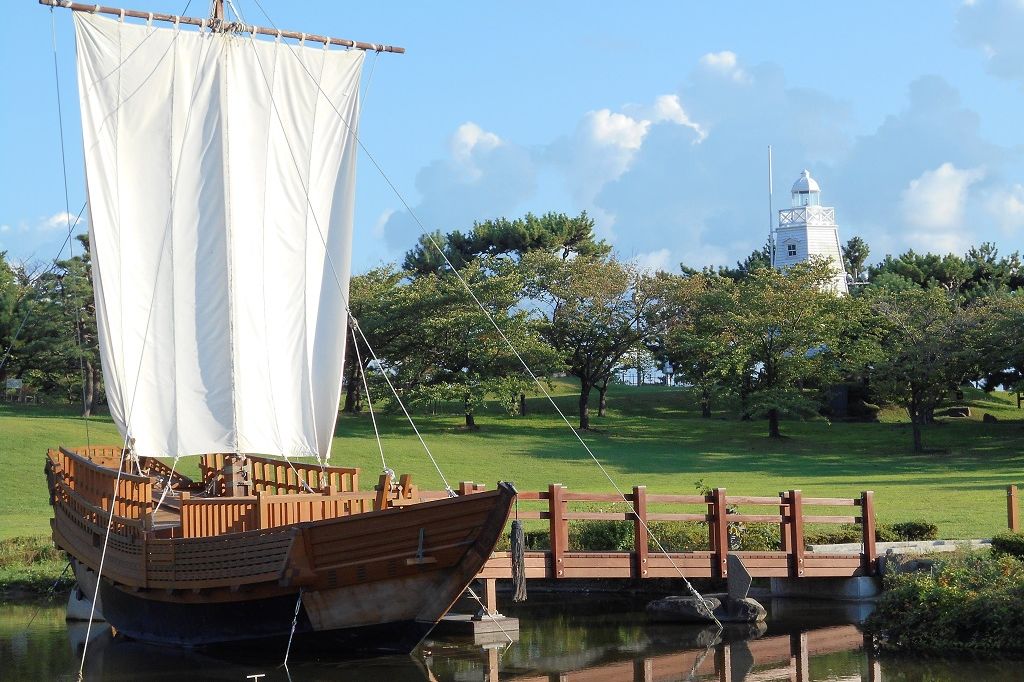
(790, 250)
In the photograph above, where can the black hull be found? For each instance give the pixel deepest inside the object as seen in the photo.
(259, 622)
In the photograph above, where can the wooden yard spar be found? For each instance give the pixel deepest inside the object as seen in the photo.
(259, 546)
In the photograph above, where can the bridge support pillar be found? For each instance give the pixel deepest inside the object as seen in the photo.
(860, 588)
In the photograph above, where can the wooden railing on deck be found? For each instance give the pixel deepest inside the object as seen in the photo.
(282, 477)
(94, 485)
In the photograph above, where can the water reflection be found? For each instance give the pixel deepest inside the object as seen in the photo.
(590, 639)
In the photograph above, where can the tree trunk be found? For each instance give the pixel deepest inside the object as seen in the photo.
(89, 390)
(352, 389)
(705, 403)
(773, 424)
(584, 406)
(470, 420)
(916, 425)
(522, 404)
(602, 405)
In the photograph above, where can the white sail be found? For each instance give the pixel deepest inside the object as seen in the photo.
(216, 167)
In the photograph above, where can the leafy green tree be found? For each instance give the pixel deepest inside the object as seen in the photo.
(757, 260)
(459, 355)
(504, 239)
(855, 254)
(787, 327)
(594, 312)
(697, 338)
(929, 345)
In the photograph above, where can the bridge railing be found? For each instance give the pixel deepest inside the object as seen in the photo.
(790, 510)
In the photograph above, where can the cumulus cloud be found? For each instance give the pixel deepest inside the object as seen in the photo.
(482, 177)
(60, 221)
(726, 64)
(655, 261)
(995, 27)
(933, 205)
(1005, 207)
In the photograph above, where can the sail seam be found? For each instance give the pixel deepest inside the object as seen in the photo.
(228, 232)
(305, 276)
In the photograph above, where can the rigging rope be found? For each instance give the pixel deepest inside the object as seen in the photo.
(366, 390)
(494, 324)
(67, 214)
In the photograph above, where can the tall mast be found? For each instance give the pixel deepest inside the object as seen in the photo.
(217, 10)
(771, 213)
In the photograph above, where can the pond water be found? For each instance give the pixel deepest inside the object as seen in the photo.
(593, 638)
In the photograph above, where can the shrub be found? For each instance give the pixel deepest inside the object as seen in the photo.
(1008, 543)
(967, 602)
(915, 530)
(601, 535)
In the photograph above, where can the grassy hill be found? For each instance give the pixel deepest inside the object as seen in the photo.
(652, 436)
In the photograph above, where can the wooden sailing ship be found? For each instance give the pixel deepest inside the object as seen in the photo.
(220, 172)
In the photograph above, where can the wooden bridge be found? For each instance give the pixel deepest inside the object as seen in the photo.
(718, 511)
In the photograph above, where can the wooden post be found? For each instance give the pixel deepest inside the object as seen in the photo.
(640, 531)
(784, 543)
(867, 515)
(720, 526)
(559, 528)
(796, 533)
(1012, 510)
(465, 487)
(383, 490)
(491, 596)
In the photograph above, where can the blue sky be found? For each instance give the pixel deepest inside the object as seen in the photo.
(654, 117)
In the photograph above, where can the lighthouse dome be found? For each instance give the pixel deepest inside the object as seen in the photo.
(805, 184)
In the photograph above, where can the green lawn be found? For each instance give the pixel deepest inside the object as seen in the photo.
(652, 436)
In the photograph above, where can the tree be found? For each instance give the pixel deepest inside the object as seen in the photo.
(502, 239)
(594, 312)
(787, 327)
(855, 254)
(928, 346)
(698, 339)
(459, 354)
(757, 260)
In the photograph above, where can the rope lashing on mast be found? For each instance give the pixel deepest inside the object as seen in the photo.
(497, 328)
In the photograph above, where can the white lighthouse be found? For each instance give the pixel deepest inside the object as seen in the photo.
(809, 229)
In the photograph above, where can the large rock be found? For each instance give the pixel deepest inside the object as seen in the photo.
(744, 610)
(683, 609)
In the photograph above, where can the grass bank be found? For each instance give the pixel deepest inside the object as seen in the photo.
(29, 567)
(652, 436)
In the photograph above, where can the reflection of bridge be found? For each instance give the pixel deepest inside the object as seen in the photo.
(789, 512)
(783, 657)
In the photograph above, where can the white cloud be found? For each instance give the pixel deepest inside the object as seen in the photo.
(669, 108)
(468, 142)
(617, 130)
(5, 228)
(60, 221)
(725, 63)
(933, 206)
(655, 261)
(1005, 206)
(382, 220)
(936, 199)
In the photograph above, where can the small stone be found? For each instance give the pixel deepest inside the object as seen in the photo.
(989, 418)
(683, 609)
(739, 578)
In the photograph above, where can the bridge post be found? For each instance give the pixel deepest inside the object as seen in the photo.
(867, 513)
(640, 531)
(1012, 513)
(559, 529)
(796, 533)
(720, 531)
(784, 544)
